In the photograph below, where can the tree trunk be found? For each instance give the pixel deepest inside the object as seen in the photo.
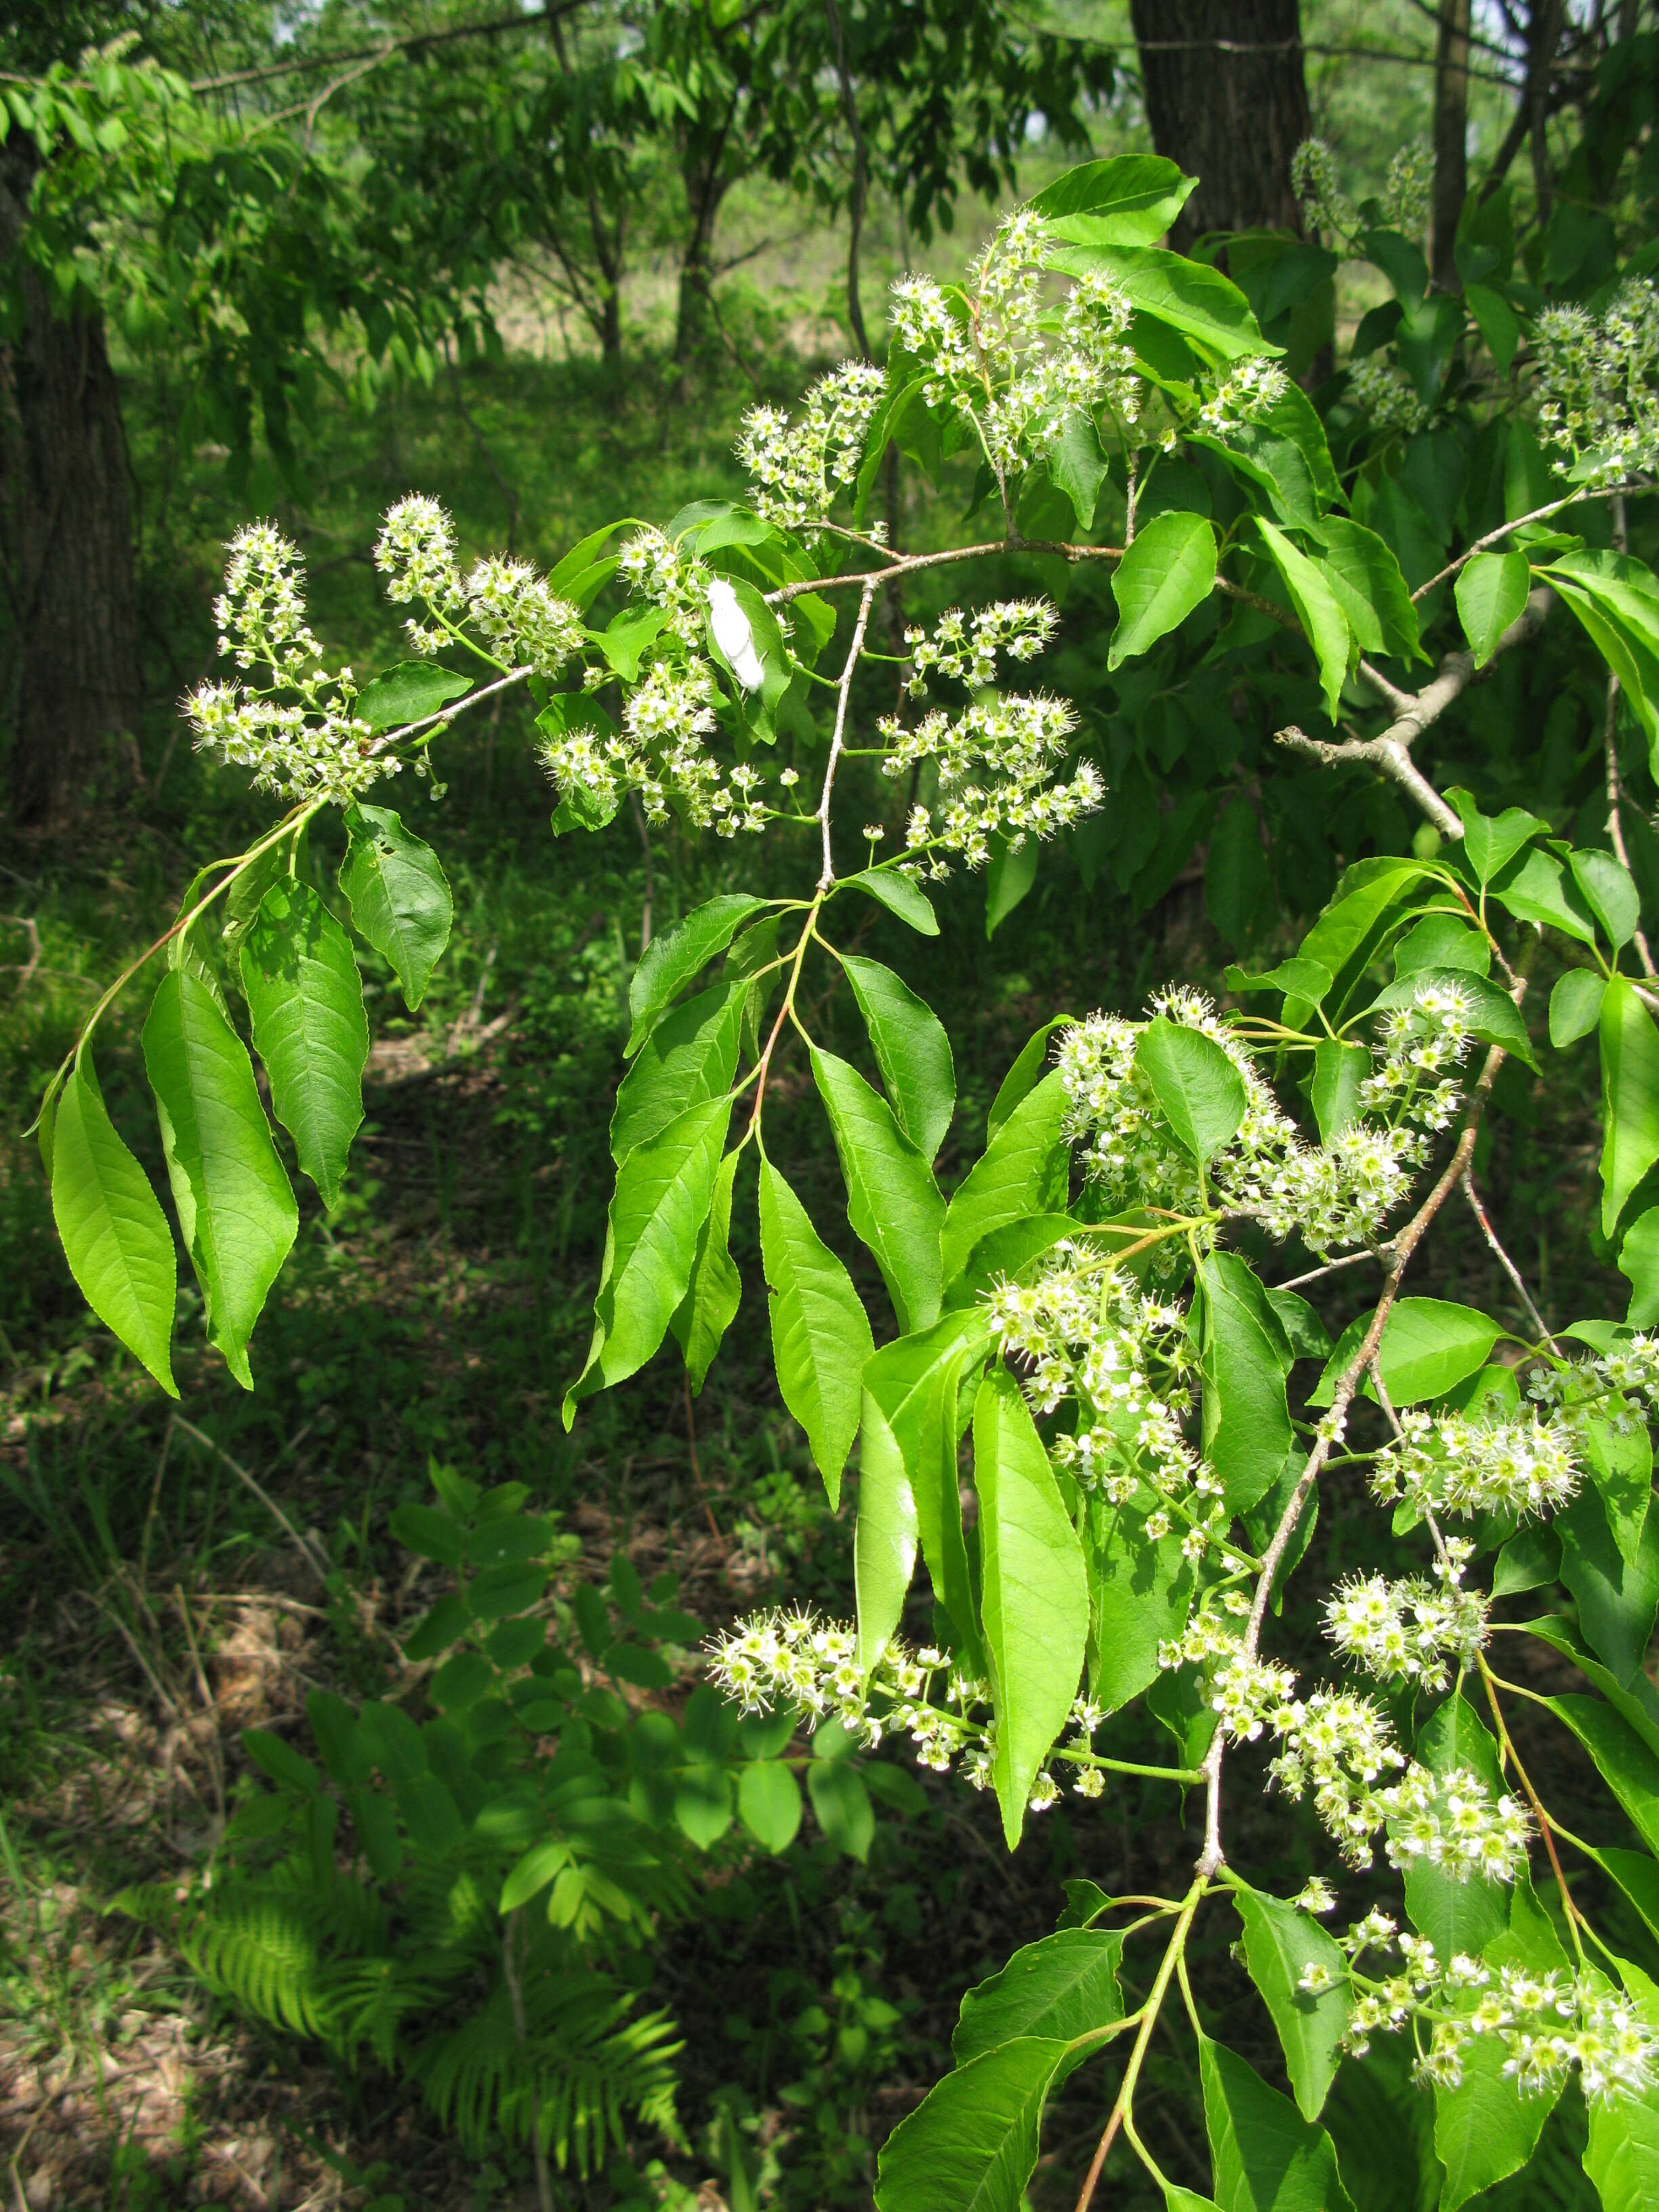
(1225, 98)
(67, 520)
(1451, 119)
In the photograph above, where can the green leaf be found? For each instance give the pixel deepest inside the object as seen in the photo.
(1245, 1422)
(237, 1218)
(1496, 322)
(1318, 609)
(1494, 1017)
(1617, 601)
(664, 1192)
(714, 1290)
(305, 998)
(114, 1234)
(898, 894)
(971, 2144)
(1034, 1606)
(1533, 889)
(409, 693)
(1622, 2154)
(1441, 941)
(703, 1802)
(1624, 1763)
(843, 1806)
(1196, 1084)
(1062, 1988)
(1237, 881)
(1077, 467)
(1306, 1334)
(1343, 938)
(1281, 1943)
(1010, 875)
(1365, 578)
(1266, 2157)
(1140, 1593)
(1630, 1098)
(1025, 1075)
(1024, 1169)
(911, 1049)
(1618, 1597)
(1339, 1070)
(625, 638)
(1575, 1006)
(1491, 593)
(1130, 200)
(1189, 296)
(691, 1055)
(399, 896)
(769, 1803)
(1167, 571)
(670, 961)
(820, 1333)
(1485, 2128)
(1639, 1259)
(1467, 1914)
(1620, 1462)
(1429, 1345)
(1609, 894)
(1297, 979)
(917, 1385)
(884, 1534)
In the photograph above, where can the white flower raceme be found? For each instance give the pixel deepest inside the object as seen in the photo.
(1314, 179)
(1595, 381)
(797, 468)
(733, 635)
(1406, 1631)
(966, 646)
(520, 618)
(310, 743)
(1251, 389)
(1385, 395)
(1408, 190)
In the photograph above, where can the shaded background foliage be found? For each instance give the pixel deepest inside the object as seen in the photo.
(539, 269)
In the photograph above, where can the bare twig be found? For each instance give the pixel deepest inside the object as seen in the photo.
(1415, 712)
(1506, 1263)
(907, 564)
(844, 691)
(1610, 747)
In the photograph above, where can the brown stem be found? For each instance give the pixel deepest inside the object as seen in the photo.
(1506, 1263)
(1610, 747)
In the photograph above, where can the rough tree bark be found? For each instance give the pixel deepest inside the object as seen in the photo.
(1227, 98)
(1451, 121)
(67, 522)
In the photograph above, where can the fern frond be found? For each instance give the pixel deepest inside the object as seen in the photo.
(259, 1949)
(368, 2000)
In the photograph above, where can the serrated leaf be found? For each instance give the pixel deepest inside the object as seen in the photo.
(892, 1201)
(911, 1049)
(237, 1218)
(1206, 307)
(883, 1536)
(1609, 893)
(1266, 2157)
(1339, 1070)
(670, 961)
(820, 1332)
(971, 2144)
(409, 693)
(1575, 1006)
(714, 1290)
(689, 1056)
(842, 1806)
(1025, 1169)
(1493, 1016)
(1198, 1087)
(1140, 1594)
(1167, 571)
(1534, 889)
(1320, 613)
(1244, 1418)
(898, 894)
(1063, 1987)
(1491, 593)
(1281, 1944)
(1025, 1074)
(1429, 1347)
(1034, 1609)
(114, 1234)
(1364, 576)
(662, 1194)
(400, 900)
(1130, 199)
(305, 998)
(1630, 1098)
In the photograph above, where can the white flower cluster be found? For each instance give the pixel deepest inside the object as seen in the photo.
(781, 1659)
(966, 646)
(1416, 1045)
(1403, 1631)
(523, 623)
(660, 752)
(1316, 184)
(1595, 381)
(1407, 195)
(1547, 2022)
(796, 468)
(995, 368)
(1385, 395)
(656, 569)
(1335, 1195)
(1249, 390)
(995, 765)
(310, 744)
